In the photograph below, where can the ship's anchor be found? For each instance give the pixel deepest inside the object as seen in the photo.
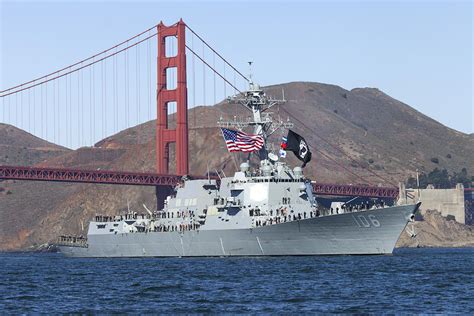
(410, 229)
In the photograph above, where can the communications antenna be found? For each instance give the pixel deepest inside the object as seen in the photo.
(258, 103)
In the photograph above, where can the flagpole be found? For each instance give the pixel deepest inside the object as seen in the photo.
(235, 163)
(231, 155)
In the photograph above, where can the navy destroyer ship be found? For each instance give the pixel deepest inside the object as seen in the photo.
(268, 210)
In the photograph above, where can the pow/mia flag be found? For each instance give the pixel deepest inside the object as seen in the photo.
(298, 145)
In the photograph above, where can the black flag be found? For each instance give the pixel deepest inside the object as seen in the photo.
(298, 145)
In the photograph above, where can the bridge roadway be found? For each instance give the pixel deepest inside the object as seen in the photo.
(153, 179)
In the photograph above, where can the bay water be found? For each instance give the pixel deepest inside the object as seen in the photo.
(409, 281)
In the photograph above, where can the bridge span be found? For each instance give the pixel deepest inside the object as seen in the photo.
(164, 180)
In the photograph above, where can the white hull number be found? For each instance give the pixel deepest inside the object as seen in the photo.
(366, 221)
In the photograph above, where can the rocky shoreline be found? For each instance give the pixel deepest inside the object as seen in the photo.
(436, 231)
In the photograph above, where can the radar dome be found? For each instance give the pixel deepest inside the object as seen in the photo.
(266, 170)
(298, 171)
(272, 157)
(244, 167)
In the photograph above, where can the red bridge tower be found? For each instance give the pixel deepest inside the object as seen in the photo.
(178, 135)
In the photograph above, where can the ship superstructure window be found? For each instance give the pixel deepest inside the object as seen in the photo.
(100, 226)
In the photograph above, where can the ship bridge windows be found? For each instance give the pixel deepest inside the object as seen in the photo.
(101, 226)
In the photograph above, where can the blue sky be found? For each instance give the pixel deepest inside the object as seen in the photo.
(417, 52)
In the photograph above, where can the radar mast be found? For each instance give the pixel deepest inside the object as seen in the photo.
(258, 103)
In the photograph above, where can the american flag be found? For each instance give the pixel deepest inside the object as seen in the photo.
(239, 141)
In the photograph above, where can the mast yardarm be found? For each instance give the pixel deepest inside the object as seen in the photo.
(258, 103)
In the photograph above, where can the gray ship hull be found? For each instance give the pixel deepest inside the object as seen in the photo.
(366, 232)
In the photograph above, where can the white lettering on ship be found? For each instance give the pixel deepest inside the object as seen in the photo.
(364, 221)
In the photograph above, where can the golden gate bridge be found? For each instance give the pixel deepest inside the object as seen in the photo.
(92, 98)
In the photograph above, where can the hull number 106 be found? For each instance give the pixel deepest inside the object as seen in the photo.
(366, 221)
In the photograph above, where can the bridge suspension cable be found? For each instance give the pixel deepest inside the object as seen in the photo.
(222, 75)
(2, 93)
(314, 133)
(216, 53)
(23, 87)
(74, 107)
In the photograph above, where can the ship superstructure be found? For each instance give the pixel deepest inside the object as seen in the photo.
(268, 209)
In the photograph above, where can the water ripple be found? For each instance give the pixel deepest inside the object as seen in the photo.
(411, 281)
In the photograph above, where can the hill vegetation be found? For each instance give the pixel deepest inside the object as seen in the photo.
(442, 179)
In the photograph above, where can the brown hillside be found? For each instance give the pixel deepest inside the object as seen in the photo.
(18, 147)
(375, 132)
